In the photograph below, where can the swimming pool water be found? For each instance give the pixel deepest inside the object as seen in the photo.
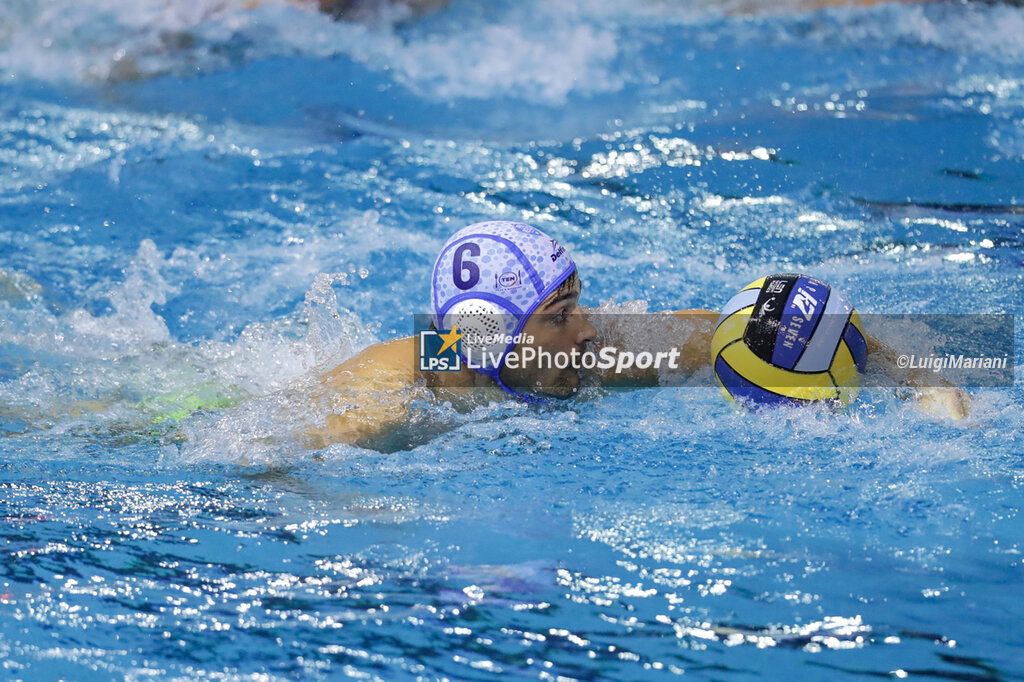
(202, 203)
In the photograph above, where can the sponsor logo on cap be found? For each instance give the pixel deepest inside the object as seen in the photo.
(508, 279)
(557, 249)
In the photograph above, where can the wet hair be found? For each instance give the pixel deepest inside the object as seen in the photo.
(567, 286)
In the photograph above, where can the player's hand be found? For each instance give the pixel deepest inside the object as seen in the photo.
(948, 402)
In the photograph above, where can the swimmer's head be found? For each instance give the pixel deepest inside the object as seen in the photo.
(488, 280)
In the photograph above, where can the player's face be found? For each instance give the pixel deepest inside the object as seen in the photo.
(557, 326)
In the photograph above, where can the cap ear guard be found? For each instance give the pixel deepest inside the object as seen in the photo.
(485, 328)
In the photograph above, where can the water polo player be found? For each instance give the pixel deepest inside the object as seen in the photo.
(508, 291)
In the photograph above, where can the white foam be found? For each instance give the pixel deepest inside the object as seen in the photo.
(98, 40)
(126, 365)
(88, 39)
(536, 50)
(995, 30)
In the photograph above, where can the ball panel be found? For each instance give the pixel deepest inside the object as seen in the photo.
(843, 367)
(844, 373)
(818, 354)
(798, 320)
(825, 337)
(762, 330)
(815, 386)
(739, 389)
(730, 330)
(745, 299)
(854, 337)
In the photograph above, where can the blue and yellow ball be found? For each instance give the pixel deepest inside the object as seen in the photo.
(788, 339)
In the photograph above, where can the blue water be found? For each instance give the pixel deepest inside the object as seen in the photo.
(204, 202)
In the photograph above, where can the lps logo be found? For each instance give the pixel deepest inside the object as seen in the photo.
(508, 280)
(439, 351)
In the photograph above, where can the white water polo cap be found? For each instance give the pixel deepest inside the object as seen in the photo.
(488, 280)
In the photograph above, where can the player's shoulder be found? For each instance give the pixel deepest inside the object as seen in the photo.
(389, 364)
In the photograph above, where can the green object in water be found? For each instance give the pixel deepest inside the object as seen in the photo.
(177, 406)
